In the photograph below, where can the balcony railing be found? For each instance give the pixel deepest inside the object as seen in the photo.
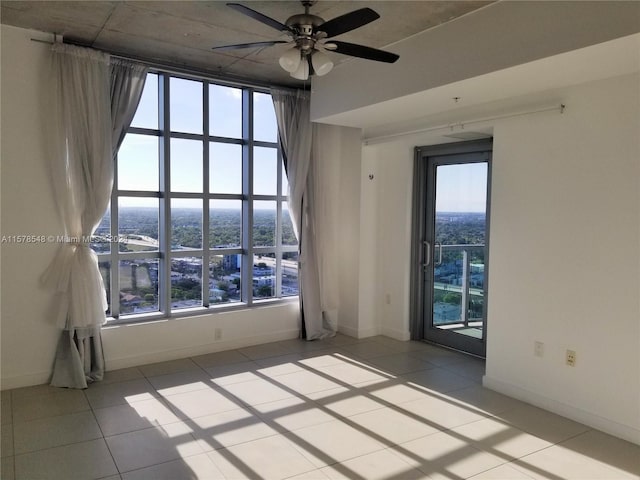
(459, 270)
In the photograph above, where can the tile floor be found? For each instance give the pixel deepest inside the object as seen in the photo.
(340, 408)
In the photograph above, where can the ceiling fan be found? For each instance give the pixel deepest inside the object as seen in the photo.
(309, 35)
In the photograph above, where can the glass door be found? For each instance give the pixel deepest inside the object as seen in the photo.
(454, 258)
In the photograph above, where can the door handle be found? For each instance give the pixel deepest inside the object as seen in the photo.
(438, 245)
(427, 254)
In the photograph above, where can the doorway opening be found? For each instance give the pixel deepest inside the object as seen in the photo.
(450, 245)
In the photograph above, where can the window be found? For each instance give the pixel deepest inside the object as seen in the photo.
(198, 217)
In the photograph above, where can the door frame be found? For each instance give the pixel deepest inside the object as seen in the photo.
(421, 193)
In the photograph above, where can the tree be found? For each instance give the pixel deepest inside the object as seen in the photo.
(452, 298)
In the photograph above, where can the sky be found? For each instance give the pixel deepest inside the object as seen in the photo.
(138, 155)
(461, 188)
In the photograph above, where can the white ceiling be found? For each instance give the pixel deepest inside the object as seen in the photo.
(506, 57)
(182, 33)
(533, 85)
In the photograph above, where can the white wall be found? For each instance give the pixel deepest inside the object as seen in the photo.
(368, 323)
(349, 230)
(28, 336)
(385, 223)
(564, 252)
(565, 256)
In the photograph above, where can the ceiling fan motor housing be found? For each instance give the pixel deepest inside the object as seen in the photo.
(304, 25)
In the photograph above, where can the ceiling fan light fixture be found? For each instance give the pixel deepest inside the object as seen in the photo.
(321, 62)
(302, 73)
(291, 60)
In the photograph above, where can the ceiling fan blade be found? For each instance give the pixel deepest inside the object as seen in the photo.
(361, 51)
(259, 17)
(249, 45)
(347, 22)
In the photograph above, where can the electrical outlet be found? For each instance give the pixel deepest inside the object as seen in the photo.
(217, 334)
(571, 358)
(387, 299)
(538, 349)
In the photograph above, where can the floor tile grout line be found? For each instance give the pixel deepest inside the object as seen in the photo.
(54, 416)
(91, 407)
(496, 453)
(163, 463)
(513, 459)
(60, 445)
(57, 446)
(104, 439)
(275, 426)
(527, 431)
(347, 421)
(523, 457)
(182, 456)
(199, 367)
(153, 427)
(250, 408)
(189, 418)
(560, 442)
(247, 359)
(436, 368)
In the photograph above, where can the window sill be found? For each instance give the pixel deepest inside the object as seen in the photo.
(195, 312)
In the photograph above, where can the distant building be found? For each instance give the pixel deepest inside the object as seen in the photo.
(231, 262)
(266, 280)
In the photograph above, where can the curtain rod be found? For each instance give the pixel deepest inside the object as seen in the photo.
(230, 80)
(382, 138)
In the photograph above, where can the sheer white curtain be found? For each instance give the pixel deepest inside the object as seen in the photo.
(81, 168)
(308, 202)
(295, 133)
(323, 211)
(127, 83)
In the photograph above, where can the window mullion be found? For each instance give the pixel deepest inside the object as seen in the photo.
(205, 190)
(114, 279)
(278, 272)
(224, 274)
(164, 234)
(247, 190)
(279, 174)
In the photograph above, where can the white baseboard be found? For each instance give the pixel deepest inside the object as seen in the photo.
(358, 332)
(606, 425)
(158, 356)
(350, 331)
(191, 351)
(396, 334)
(25, 380)
(372, 332)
